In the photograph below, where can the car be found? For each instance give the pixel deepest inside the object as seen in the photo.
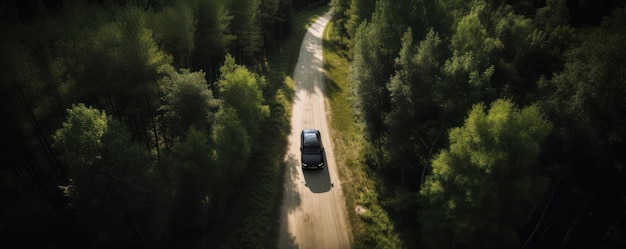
(311, 149)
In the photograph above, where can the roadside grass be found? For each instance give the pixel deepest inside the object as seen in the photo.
(255, 213)
(373, 228)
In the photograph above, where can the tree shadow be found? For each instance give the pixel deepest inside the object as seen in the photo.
(291, 201)
(318, 180)
(290, 183)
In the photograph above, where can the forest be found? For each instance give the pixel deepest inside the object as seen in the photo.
(492, 123)
(134, 124)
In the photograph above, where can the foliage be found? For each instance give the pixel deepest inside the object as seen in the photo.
(242, 90)
(341, 16)
(412, 128)
(156, 171)
(246, 29)
(232, 143)
(196, 182)
(357, 12)
(143, 64)
(108, 173)
(186, 101)
(173, 28)
(369, 75)
(525, 51)
(123, 62)
(213, 35)
(588, 93)
(485, 183)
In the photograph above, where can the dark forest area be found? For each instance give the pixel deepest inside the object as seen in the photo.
(493, 123)
(131, 124)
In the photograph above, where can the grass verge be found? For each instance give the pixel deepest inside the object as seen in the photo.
(373, 228)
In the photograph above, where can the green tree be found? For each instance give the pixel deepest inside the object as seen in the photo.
(109, 174)
(173, 29)
(213, 36)
(369, 80)
(273, 16)
(357, 12)
(549, 41)
(246, 28)
(232, 145)
(187, 101)
(472, 36)
(121, 68)
(413, 120)
(463, 83)
(197, 182)
(588, 96)
(376, 43)
(483, 187)
(340, 8)
(243, 90)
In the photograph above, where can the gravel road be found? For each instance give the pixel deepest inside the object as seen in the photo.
(313, 214)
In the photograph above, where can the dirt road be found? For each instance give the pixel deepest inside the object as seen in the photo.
(313, 214)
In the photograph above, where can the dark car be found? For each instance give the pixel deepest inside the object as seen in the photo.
(312, 150)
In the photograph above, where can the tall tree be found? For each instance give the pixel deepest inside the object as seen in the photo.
(473, 36)
(357, 12)
(197, 183)
(246, 28)
(483, 187)
(550, 39)
(413, 120)
(587, 97)
(268, 18)
(467, 74)
(376, 44)
(121, 68)
(243, 91)
(213, 36)
(340, 8)
(232, 145)
(109, 175)
(173, 29)
(186, 101)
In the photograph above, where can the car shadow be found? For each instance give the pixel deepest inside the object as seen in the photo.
(318, 180)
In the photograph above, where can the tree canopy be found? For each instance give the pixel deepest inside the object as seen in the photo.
(122, 130)
(483, 185)
(418, 67)
(109, 176)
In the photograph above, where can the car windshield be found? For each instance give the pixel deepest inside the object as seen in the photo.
(311, 150)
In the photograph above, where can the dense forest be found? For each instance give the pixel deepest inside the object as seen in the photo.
(132, 124)
(493, 123)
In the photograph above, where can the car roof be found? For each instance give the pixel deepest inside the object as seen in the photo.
(310, 138)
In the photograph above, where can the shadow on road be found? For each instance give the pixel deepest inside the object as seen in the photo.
(318, 180)
(291, 201)
(290, 188)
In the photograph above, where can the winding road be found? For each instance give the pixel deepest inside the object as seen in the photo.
(313, 213)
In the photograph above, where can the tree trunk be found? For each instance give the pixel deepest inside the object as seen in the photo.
(154, 130)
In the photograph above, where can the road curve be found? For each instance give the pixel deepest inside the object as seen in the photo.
(313, 213)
